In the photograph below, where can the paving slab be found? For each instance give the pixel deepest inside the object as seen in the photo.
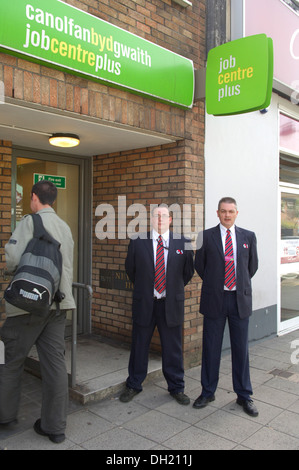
(154, 422)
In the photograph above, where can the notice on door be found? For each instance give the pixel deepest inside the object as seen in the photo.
(59, 181)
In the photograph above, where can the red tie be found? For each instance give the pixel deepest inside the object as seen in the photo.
(229, 277)
(160, 280)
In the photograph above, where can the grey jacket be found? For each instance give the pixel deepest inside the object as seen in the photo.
(19, 240)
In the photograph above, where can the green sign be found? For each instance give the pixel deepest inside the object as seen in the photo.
(56, 34)
(59, 181)
(240, 76)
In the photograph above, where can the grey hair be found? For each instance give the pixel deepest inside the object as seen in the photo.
(227, 200)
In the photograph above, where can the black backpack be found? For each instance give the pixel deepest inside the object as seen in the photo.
(35, 285)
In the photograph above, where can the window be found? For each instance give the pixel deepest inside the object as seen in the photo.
(294, 4)
(289, 169)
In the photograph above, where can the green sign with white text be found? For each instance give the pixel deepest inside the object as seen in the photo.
(239, 76)
(53, 33)
(59, 181)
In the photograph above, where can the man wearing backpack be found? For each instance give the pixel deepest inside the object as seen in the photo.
(22, 330)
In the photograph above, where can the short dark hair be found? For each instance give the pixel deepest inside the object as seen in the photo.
(46, 192)
(227, 200)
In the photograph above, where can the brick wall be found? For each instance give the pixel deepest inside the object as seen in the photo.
(172, 174)
(5, 208)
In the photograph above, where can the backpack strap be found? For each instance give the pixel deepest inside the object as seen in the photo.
(40, 232)
(39, 229)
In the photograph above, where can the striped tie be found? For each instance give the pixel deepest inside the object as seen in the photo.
(229, 277)
(160, 280)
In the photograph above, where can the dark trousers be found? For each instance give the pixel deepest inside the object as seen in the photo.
(172, 356)
(212, 346)
(19, 334)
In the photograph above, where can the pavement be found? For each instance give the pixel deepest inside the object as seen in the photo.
(155, 423)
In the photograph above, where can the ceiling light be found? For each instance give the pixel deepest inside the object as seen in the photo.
(184, 3)
(64, 140)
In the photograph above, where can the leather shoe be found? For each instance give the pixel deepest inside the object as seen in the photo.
(181, 398)
(201, 401)
(56, 438)
(128, 394)
(248, 406)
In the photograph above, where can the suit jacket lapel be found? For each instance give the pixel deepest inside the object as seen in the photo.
(149, 247)
(216, 234)
(170, 244)
(239, 241)
(170, 249)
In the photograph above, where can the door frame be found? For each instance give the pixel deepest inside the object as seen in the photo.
(84, 274)
(286, 326)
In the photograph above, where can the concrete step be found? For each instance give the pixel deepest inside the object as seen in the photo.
(101, 368)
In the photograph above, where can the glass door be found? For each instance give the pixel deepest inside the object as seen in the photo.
(289, 259)
(68, 175)
(66, 178)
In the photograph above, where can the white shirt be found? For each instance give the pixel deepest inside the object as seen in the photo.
(165, 241)
(223, 231)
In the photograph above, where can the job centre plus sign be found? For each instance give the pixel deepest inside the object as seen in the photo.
(239, 76)
(227, 79)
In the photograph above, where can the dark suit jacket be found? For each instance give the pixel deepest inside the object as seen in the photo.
(141, 271)
(210, 265)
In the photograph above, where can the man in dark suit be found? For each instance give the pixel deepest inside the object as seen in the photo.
(160, 266)
(226, 260)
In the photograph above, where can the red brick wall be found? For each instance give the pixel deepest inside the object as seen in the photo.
(172, 173)
(5, 208)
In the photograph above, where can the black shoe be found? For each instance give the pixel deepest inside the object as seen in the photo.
(201, 401)
(128, 394)
(181, 398)
(248, 406)
(56, 438)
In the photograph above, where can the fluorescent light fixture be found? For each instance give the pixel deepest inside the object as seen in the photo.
(184, 3)
(64, 140)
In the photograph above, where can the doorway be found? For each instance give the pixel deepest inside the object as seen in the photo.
(70, 175)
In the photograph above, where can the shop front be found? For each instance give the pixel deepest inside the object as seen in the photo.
(255, 159)
(108, 75)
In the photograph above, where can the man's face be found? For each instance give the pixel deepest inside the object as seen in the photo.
(227, 214)
(161, 220)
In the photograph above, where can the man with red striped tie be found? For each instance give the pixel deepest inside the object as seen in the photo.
(160, 266)
(226, 260)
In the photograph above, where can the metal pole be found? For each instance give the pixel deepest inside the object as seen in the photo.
(74, 348)
(88, 288)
